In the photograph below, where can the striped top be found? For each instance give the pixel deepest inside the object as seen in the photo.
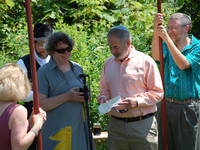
(183, 84)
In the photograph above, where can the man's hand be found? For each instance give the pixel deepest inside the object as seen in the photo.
(162, 32)
(127, 104)
(158, 19)
(102, 99)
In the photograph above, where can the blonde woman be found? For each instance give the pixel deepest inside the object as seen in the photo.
(16, 133)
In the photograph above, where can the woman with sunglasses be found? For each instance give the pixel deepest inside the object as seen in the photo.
(58, 85)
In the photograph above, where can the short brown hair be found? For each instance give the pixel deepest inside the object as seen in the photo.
(55, 39)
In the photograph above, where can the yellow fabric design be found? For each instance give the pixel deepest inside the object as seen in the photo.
(65, 138)
(83, 111)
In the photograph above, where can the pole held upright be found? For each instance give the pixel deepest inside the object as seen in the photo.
(164, 121)
(33, 67)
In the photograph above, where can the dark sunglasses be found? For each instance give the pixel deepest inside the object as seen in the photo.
(63, 50)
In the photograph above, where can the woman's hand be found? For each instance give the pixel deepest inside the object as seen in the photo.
(75, 95)
(20, 139)
(38, 120)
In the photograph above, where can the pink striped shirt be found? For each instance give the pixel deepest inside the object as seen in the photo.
(137, 77)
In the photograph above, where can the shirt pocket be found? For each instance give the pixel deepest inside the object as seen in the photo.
(134, 79)
(135, 74)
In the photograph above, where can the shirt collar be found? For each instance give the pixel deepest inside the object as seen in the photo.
(40, 60)
(131, 55)
(194, 42)
(52, 64)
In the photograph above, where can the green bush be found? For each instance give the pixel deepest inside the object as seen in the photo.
(88, 23)
(191, 7)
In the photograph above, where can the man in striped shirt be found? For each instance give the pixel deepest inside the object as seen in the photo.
(181, 53)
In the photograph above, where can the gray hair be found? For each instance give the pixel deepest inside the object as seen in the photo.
(183, 18)
(55, 39)
(121, 33)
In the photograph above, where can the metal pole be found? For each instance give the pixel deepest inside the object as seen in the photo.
(86, 97)
(164, 121)
(33, 68)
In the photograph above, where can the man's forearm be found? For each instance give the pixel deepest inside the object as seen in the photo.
(180, 60)
(155, 47)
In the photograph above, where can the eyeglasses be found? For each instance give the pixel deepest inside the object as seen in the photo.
(63, 50)
(177, 27)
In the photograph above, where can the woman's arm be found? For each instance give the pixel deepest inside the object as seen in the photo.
(21, 138)
(49, 103)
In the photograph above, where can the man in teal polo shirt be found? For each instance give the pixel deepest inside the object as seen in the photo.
(182, 81)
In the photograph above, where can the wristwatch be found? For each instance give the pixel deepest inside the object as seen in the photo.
(122, 111)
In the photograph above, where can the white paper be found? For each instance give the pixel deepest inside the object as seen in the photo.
(106, 107)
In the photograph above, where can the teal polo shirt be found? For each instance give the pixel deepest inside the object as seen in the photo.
(183, 84)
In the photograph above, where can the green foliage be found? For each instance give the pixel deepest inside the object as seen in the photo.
(88, 23)
(191, 7)
(12, 20)
(15, 44)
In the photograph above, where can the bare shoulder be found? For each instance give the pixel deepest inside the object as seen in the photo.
(19, 115)
(19, 110)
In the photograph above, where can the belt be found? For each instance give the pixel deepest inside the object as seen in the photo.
(135, 118)
(181, 101)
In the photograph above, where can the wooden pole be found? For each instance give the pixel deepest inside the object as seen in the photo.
(164, 121)
(33, 68)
